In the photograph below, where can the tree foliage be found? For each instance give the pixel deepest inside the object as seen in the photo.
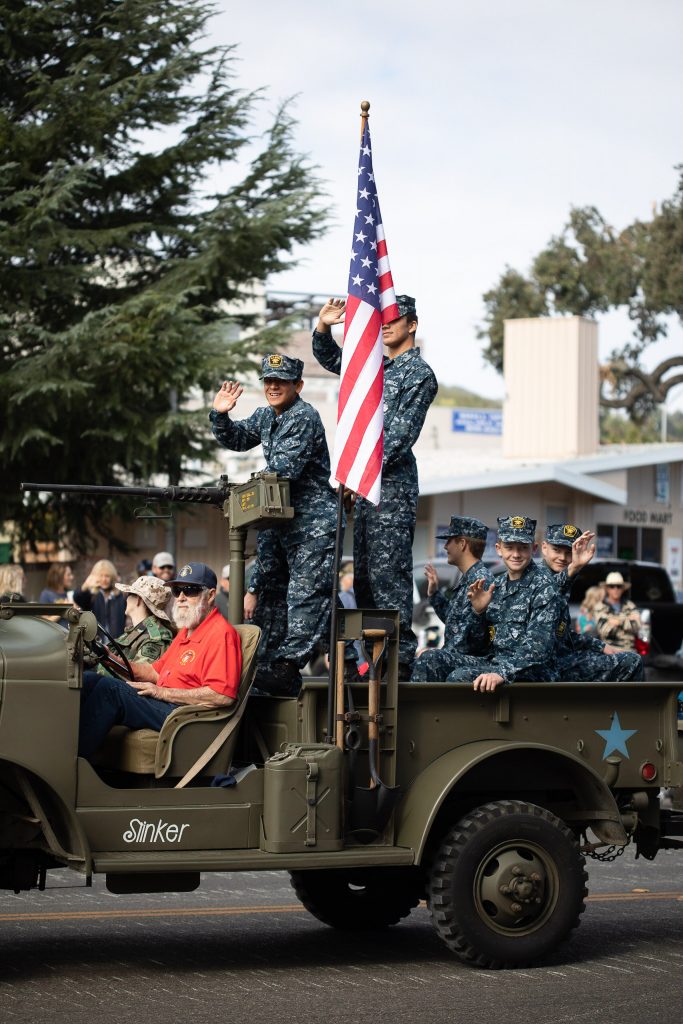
(590, 268)
(116, 265)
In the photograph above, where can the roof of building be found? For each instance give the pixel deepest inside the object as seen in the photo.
(474, 469)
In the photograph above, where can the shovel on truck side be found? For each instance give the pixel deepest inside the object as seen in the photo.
(372, 807)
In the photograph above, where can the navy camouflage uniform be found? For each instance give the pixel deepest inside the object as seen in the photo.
(460, 621)
(383, 534)
(580, 657)
(300, 550)
(521, 620)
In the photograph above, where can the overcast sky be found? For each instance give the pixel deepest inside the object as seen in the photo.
(489, 121)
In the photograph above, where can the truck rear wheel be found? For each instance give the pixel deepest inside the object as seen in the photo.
(359, 900)
(507, 885)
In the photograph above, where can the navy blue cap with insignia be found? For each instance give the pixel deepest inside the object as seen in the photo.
(406, 305)
(281, 367)
(465, 526)
(516, 529)
(196, 573)
(562, 534)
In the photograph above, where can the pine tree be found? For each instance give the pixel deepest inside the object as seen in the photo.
(115, 264)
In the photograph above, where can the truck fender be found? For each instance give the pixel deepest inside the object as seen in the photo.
(50, 810)
(419, 808)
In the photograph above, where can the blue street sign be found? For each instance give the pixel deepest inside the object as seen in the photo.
(477, 421)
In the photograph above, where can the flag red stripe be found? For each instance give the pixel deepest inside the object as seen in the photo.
(365, 414)
(373, 468)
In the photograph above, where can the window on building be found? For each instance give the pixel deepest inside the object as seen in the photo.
(630, 542)
(627, 541)
(651, 545)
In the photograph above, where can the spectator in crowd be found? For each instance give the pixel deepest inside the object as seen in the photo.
(60, 580)
(585, 622)
(98, 595)
(163, 566)
(144, 567)
(617, 619)
(150, 631)
(223, 592)
(12, 583)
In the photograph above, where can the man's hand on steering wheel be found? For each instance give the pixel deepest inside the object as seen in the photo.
(106, 658)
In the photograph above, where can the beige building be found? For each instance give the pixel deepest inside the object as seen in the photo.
(548, 462)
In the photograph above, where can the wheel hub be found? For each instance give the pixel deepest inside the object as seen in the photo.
(511, 887)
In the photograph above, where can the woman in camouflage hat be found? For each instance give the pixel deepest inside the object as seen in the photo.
(150, 632)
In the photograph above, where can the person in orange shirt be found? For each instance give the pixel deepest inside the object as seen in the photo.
(202, 666)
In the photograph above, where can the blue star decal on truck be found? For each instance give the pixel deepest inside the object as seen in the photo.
(615, 737)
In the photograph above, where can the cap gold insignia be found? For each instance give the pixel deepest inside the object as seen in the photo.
(274, 362)
(517, 522)
(569, 531)
(492, 633)
(186, 571)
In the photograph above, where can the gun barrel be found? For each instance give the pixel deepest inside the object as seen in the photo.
(199, 495)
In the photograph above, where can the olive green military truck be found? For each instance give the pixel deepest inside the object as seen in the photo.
(373, 795)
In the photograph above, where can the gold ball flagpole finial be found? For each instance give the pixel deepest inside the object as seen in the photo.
(364, 106)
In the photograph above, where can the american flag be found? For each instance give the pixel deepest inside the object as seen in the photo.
(359, 442)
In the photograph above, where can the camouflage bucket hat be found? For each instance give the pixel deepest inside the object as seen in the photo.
(465, 526)
(281, 367)
(516, 529)
(153, 592)
(562, 534)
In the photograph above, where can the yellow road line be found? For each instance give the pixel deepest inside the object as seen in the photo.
(287, 908)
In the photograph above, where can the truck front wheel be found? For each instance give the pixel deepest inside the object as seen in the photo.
(507, 885)
(359, 900)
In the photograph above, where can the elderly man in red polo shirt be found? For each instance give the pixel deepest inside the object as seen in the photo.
(202, 666)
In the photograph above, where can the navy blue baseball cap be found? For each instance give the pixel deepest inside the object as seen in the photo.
(516, 529)
(281, 367)
(465, 526)
(562, 534)
(196, 573)
(406, 306)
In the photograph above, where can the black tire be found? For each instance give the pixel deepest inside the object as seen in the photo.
(364, 899)
(507, 885)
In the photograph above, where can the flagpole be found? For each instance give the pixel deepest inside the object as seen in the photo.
(332, 709)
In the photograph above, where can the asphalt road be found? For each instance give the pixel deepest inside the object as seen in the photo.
(240, 949)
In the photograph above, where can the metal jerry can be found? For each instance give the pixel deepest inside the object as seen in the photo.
(302, 799)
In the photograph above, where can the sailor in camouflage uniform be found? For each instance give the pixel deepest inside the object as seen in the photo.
(520, 612)
(294, 446)
(465, 543)
(581, 656)
(383, 534)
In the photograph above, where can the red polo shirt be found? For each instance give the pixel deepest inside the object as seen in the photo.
(210, 656)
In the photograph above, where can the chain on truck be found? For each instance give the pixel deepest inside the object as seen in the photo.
(373, 795)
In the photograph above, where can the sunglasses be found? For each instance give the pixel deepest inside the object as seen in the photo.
(615, 586)
(188, 589)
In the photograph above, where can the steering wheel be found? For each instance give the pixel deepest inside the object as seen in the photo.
(105, 657)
